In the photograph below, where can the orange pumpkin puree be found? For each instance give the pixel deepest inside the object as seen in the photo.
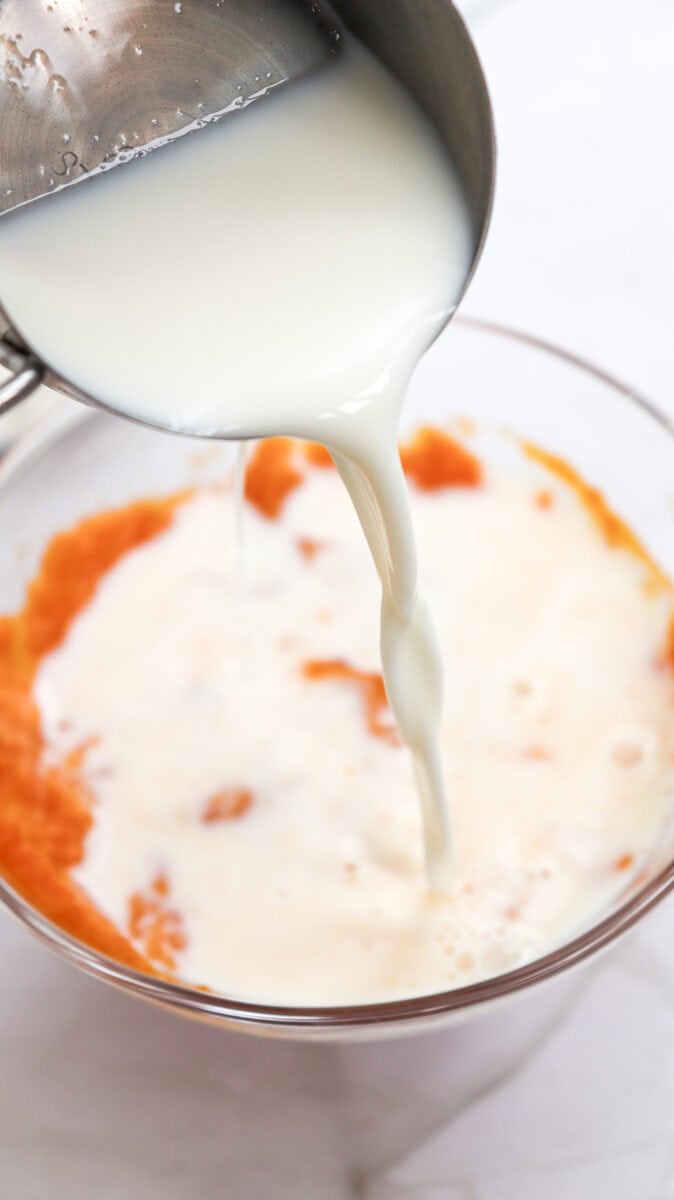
(317, 455)
(370, 684)
(227, 805)
(157, 926)
(612, 527)
(309, 547)
(544, 498)
(624, 862)
(271, 475)
(46, 810)
(433, 460)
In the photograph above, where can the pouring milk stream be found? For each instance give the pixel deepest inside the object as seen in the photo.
(282, 273)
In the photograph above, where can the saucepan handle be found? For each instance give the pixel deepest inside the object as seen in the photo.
(27, 374)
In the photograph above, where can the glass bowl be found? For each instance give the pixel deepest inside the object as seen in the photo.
(79, 461)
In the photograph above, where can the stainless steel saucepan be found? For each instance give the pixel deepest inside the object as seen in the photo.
(85, 85)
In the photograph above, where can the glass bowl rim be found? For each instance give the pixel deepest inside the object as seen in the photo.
(299, 1019)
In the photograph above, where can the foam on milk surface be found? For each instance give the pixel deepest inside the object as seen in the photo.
(556, 739)
(282, 272)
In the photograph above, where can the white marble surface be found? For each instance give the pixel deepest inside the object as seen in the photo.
(570, 1094)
